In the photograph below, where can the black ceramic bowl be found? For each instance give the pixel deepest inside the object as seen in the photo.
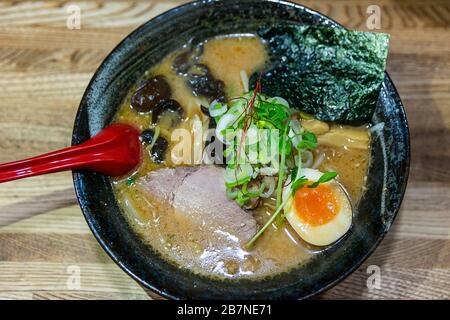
(146, 46)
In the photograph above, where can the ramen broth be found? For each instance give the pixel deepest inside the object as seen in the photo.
(181, 241)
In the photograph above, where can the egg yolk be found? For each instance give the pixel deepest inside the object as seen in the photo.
(316, 206)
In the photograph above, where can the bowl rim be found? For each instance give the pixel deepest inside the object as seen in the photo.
(179, 10)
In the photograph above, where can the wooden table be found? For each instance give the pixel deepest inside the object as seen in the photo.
(45, 67)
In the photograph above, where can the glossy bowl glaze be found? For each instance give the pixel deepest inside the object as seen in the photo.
(145, 47)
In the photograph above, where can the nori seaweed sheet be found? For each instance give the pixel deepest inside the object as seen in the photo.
(332, 73)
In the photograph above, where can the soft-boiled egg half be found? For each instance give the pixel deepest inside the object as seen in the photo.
(319, 215)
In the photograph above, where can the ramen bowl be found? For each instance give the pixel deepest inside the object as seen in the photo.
(145, 47)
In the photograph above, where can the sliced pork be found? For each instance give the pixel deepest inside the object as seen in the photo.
(198, 193)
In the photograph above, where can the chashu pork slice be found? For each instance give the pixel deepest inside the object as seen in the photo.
(199, 194)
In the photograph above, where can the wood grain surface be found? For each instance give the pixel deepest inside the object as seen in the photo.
(44, 69)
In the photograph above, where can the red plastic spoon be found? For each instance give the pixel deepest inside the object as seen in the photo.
(114, 151)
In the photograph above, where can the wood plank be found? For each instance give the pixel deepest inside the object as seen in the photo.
(51, 247)
(396, 283)
(44, 70)
(65, 220)
(47, 276)
(106, 14)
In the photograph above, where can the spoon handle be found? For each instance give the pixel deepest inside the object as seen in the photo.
(114, 151)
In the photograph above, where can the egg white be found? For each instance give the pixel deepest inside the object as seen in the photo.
(332, 230)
